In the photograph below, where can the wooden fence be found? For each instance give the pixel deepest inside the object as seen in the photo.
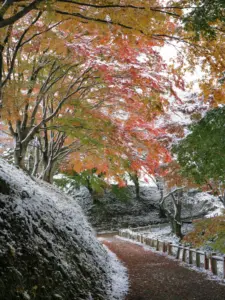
(150, 227)
(201, 259)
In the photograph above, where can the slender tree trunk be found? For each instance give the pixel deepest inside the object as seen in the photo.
(135, 179)
(160, 186)
(1, 71)
(176, 228)
(36, 161)
(30, 163)
(177, 216)
(162, 212)
(49, 171)
(20, 149)
(20, 154)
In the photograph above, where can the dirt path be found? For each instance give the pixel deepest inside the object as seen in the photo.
(155, 277)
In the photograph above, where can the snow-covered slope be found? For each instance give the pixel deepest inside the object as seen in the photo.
(47, 248)
(111, 213)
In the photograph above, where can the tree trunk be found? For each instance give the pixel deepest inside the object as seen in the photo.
(20, 149)
(20, 154)
(137, 189)
(177, 217)
(176, 228)
(160, 186)
(162, 212)
(1, 72)
(49, 171)
(36, 161)
(134, 178)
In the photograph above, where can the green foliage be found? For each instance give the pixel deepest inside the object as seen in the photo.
(210, 232)
(121, 193)
(95, 184)
(203, 17)
(88, 178)
(201, 154)
(93, 181)
(64, 182)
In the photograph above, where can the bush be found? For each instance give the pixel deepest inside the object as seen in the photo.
(208, 232)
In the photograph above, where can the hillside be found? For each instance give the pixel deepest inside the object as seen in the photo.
(111, 211)
(47, 248)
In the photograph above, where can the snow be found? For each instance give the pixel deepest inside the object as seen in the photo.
(57, 225)
(120, 283)
(210, 276)
(218, 212)
(195, 205)
(164, 234)
(217, 209)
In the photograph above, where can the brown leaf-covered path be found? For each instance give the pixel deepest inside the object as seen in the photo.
(155, 277)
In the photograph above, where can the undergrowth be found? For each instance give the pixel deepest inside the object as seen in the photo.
(208, 232)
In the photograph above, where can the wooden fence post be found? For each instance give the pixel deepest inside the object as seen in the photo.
(157, 245)
(184, 254)
(152, 243)
(178, 252)
(190, 256)
(144, 238)
(198, 262)
(224, 266)
(164, 247)
(169, 248)
(213, 263)
(206, 261)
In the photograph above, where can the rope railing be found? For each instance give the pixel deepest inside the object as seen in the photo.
(195, 257)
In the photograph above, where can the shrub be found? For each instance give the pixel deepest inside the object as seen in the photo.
(208, 232)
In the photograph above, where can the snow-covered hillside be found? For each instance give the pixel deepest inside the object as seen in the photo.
(109, 212)
(47, 248)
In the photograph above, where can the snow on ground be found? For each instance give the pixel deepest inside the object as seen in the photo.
(118, 273)
(209, 275)
(164, 234)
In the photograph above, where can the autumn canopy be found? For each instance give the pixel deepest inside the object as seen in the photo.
(84, 84)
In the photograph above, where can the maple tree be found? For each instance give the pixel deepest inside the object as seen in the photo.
(155, 20)
(122, 13)
(39, 33)
(125, 83)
